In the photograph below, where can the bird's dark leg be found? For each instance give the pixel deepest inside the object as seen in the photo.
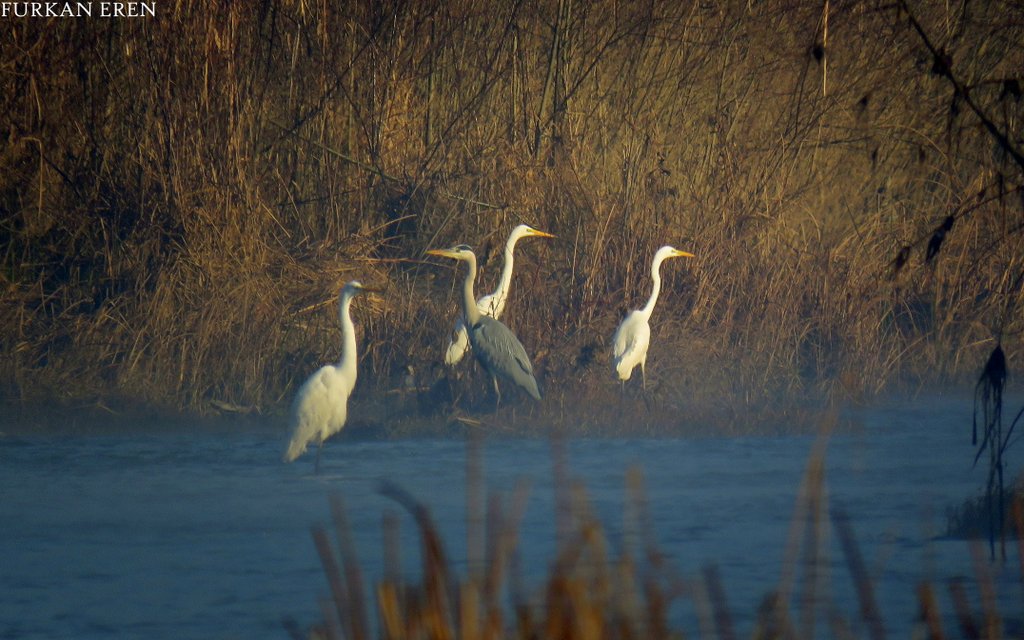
(454, 378)
(644, 394)
(622, 397)
(497, 394)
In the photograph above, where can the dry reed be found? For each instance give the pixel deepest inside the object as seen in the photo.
(591, 590)
(181, 197)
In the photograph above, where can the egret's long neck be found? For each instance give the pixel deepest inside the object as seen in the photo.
(501, 293)
(348, 340)
(469, 310)
(656, 277)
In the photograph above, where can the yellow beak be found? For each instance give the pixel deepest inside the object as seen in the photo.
(444, 253)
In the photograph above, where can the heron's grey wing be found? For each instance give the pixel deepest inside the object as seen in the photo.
(501, 353)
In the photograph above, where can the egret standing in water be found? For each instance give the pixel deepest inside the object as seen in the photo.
(629, 345)
(492, 304)
(494, 345)
(321, 406)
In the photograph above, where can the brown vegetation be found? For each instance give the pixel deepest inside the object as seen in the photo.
(181, 197)
(593, 590)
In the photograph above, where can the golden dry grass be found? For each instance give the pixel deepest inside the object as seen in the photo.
(182, 197)
(593, 590)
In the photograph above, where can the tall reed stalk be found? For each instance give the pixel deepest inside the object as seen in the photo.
(593, 590)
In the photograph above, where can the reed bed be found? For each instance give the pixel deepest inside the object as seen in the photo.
(181, 197)
(592, 590)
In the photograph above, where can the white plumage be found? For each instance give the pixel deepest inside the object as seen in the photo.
(633, 337)
(320, 407)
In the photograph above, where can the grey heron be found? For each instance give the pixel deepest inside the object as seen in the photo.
(493, 303)
(495, 346)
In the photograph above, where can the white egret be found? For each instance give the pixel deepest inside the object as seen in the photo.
(494, 345)
(494, 303)
(629, 345)
(321, 405)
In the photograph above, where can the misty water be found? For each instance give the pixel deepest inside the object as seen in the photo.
(140, 531)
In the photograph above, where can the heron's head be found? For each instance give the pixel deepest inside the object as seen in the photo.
(354, 287)
(526, 231)
(458, 252)
(672, 252)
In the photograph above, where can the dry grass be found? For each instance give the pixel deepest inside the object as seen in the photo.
(592, 590)
(181, 197)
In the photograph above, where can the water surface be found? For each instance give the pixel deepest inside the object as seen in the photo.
(206, 534)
